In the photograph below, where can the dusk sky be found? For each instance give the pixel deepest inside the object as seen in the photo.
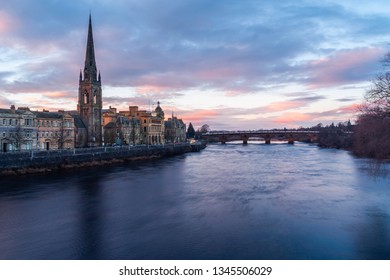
(231, 64)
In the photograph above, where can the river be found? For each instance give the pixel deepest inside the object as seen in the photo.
(229, 201)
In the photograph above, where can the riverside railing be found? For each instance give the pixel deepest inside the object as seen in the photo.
(16, 159)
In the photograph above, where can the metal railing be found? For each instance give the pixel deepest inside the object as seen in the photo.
(86, 151)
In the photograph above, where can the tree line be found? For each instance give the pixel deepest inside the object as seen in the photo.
(372, 133)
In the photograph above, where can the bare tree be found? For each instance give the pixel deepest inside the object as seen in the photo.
(61, 134)
(379, 94)
(373, 125)
(17, 136)
(133, 134)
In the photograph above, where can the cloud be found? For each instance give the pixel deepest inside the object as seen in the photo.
(344, 67)
(162, 50)
(292, 118)
(295, 119)
(295, 103)
(7, 23)
(346, 99)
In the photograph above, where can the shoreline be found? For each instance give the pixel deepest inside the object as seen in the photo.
(46, 162)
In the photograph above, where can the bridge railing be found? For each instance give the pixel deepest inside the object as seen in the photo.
(240, 132)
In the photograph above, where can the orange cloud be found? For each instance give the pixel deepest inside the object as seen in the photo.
(57, 94)
(292, 117)
(197, 116)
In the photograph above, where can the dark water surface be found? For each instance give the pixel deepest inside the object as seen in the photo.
(227, 202)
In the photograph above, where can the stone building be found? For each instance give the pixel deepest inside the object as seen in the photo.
(17, 129)
(55, 130)
(90, 102)
(80, 131)
(175, 130)
(89, 125)
(151, 124)
(120, 129)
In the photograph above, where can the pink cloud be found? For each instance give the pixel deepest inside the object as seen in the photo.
(337, 114)
(7, 23)
(344, 67)
(199, 115)
(59, 94)
(292, 118)
(146, 89)
(284, 105)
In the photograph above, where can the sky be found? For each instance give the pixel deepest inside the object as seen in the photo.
(234, 65)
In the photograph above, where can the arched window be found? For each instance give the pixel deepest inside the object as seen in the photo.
(85, 97)
(95, 97)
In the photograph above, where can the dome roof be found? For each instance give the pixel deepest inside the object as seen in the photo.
(158, 108)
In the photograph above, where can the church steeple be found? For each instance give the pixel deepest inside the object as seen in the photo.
(90, 71)
(90, 102)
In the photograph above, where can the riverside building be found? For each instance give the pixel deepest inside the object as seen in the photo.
(89, 125)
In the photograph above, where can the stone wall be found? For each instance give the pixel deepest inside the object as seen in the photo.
(75, 157)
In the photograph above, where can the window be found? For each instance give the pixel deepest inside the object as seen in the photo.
(3, 134)
(144, 128)
(4, 121)
(10, 122)
(16, 122)
(85, 95)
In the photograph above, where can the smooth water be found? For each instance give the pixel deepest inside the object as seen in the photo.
(227, 202)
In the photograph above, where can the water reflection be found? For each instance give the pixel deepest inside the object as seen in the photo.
(373, 239)
(227, 202)
(90, 219)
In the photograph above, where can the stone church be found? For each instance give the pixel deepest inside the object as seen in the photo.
(90, 105)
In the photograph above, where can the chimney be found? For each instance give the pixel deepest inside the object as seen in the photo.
(13, 109)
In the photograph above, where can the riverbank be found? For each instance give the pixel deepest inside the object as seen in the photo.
(30, 162)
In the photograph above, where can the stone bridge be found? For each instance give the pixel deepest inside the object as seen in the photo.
(281, 135)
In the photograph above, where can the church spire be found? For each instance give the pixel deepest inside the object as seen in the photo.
(90, 72)
(90, 102)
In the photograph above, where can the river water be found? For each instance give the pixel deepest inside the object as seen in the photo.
(229, 201)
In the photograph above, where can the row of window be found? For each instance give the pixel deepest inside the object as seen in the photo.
(26, 134)
(30, 122)
(55, 133)
(27, 122)
(29, 134)
(53, 123)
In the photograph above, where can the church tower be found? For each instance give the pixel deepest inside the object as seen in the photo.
(90, 104)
